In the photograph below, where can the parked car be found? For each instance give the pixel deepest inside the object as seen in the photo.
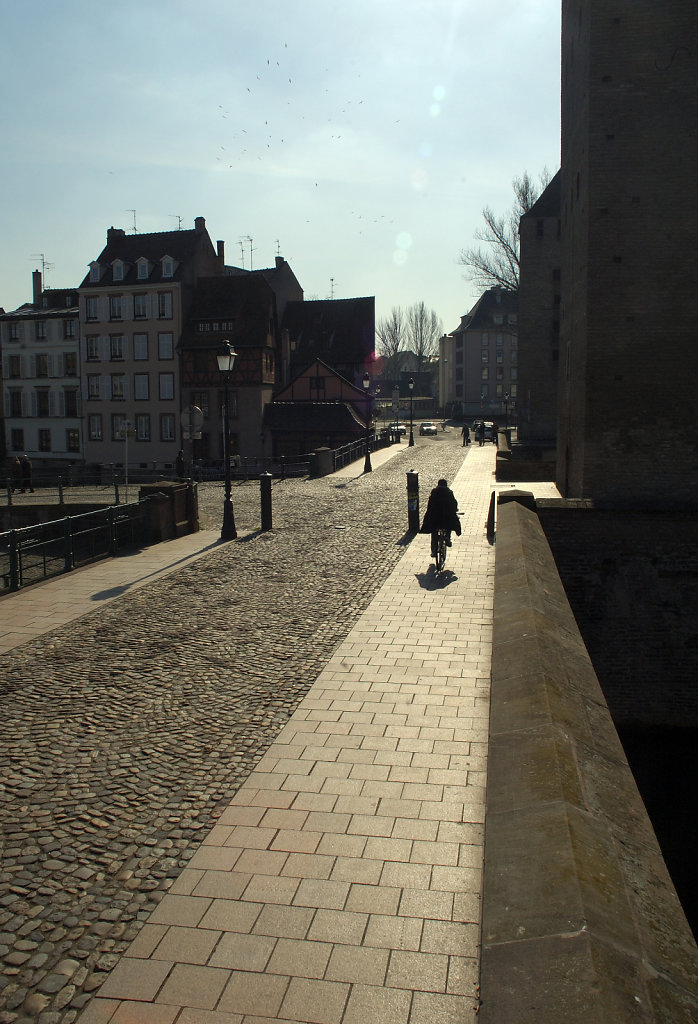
(399, 428)
(428, 429)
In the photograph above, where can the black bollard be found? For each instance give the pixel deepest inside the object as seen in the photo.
(265, 496)
(413, 501)
(489, 524)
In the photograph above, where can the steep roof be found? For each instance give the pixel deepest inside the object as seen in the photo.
(181, 246)
(548, 202)
(334, 330)
(493, 303)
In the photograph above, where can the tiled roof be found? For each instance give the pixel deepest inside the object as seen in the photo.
(311, 417)
(334, 330)
(153, 246)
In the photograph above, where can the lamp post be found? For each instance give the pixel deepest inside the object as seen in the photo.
(367, 462)
(411, 387)
(506, 409)
(225, 358)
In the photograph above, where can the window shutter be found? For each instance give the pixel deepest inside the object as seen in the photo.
(34, 404)
(61, 402)
(104, 388)
(127, 394)
(104, 352)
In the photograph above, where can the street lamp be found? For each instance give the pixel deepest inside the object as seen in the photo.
(367, 462)
(506, 409)
(411, 387)
(225, 358)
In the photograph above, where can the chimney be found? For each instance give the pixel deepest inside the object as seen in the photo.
(200, 225)
(36, 288)
(114, 233)
(279, 262)
(220, 249)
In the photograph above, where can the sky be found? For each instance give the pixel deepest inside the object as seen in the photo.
(359, 139)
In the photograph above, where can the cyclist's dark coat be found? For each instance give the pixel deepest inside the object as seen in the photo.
(442, 512)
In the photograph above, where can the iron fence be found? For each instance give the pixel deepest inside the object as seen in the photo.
(35, 553)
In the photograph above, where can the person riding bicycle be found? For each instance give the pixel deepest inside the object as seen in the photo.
(441, 514)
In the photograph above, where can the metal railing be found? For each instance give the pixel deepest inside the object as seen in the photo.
(357, 449)
(35, 553)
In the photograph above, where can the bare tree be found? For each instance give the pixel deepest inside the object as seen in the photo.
(498, 265)
(424, 329)
(390, 340)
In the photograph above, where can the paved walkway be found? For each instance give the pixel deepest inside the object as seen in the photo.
(342, 884)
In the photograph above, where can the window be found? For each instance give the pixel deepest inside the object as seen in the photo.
(72, 440)
(44, 440)
(166, 346)
(95, 271)
(498, 318)
(513, 341)
(41, 329)
(140, 306)
(513, 391)
(500, 355)
(15, 332)
(499, 390)
(17, 439)
(141, 387)
(500, 373)
(118, 386)
(118, 427)
(94, 425)
(140, 346)
(512, 318)
(166, 387)
(513, 355)
(142, 426)
(42, 402)
(165, 305)
(513, 372)
(93, 387)
(14, 366)
(71, 401)
(142, 270)
(485, 355)
(167, 267)
(485, 373)
(200, 399)
(92, 308)
(201, 326)
(15, 402)
(118, 270)
(70, 364)
(116, 347)
(92, 347)
(42, 365)
(167, 427)
(115, 307)
(485, 339)
(70, 328)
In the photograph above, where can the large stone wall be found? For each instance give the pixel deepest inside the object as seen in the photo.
(581, 922)
(632, 582)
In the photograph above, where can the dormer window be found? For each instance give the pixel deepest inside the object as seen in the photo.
(167, 266)
(95, 271)
(118, 270)
(143, 269)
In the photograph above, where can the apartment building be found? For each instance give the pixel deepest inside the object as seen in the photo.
(133, 304)
(41, 383)
(478, 373)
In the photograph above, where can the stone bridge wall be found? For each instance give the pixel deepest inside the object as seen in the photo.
(581, 922)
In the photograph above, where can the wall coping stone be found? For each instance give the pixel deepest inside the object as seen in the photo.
(581, 922)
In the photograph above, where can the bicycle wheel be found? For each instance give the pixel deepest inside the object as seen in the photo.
(441, 551)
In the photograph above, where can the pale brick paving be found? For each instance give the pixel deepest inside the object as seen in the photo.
(342, 884)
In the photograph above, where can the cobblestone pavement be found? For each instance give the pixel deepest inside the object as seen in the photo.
(130, 729)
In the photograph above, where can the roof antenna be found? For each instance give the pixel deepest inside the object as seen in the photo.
(134, 229)
(241, 243)
(177, 218)
(45, 265)
(278, 247)
(331, 287)
(249, 239)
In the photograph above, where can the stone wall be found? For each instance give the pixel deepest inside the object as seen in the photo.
(632, 582)
(581, 922)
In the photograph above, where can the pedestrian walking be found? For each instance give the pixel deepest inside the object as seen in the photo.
(480, 433)
(16, 474)
(179, 464)
(465, 434)
(26, 475)
(495, 434)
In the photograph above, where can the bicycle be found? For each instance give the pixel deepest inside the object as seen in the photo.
(440, 556)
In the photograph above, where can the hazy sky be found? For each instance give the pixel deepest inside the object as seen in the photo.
(359, 139)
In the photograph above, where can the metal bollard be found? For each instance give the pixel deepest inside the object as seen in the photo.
(413, 501)
(265, 495)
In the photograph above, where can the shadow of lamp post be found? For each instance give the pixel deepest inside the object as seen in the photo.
(367, 462)
(226, 362)
(411, 387)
